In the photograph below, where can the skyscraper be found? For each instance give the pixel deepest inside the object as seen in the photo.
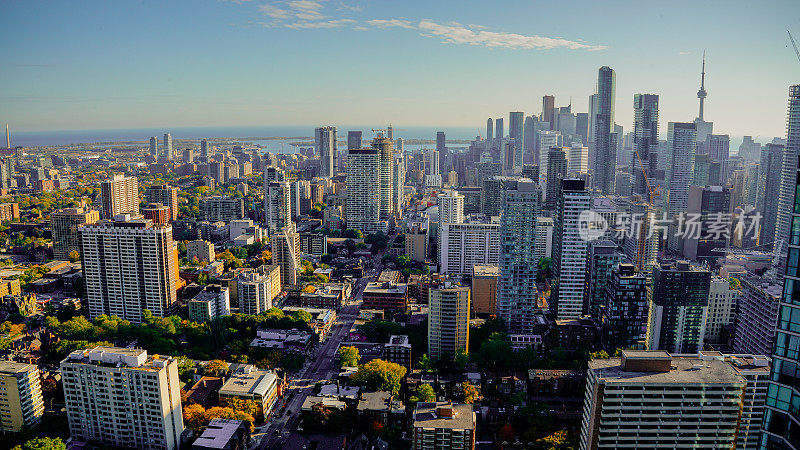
(129, 265)
(498, 129)
(556, 171)
(682, 143)
(441, 142)
(517, 292)
(489, 130)
(605, 148)
(363, 203)
(569, 250)
(624, 313)
(451, 207)
(385, 149)
(448, 320)
(277, 205)
(353, 140)
(204, 148)
(256, 289)
(120, 195)
(788, 175)
(21, 399)
(549, 110)
(782, 418)
(710, 203)
(529, 140)
(718, 148)
(285, 246)
(677, 302)
(515, 131)
(602, 258)
(645, 141)
(325, 139)
(154, 147)
(168, 153)
(769, 181)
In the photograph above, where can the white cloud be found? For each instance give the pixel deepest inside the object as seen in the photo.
(305, 5)
(274, 11)
(459, 34)
(390, 23)
(337, 23)
(684, 53)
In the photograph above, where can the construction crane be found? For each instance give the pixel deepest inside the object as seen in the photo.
(653, 193)
(796, 52)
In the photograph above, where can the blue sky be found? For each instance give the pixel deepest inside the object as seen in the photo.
(121, 64)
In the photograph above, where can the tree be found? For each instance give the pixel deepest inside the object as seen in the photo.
(246, 406)
(302, 316)
(462, 358)
(216, 367)
(74, 256)
(349, 356)
(353, 234)
(194, 417)
(42, 443)
(425, 363)
(424, 393)
(470, 392)
(380, 375)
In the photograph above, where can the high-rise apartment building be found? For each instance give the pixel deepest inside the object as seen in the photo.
(277, 205)
(623, 317)
(21, 401)
(129, 265)
(721, 309)
(603, 257)
(448, 320)
(154, 147)
(489, 130)
(168, 152)
(65, 224)
(123, 398)
(678, 304)
(517, 292)
(363, 207)
(516, 121)
(645, 142)
(682, 144)
(200, 249)
(210, 303)
(569, 250)
(769, 181)
(398, 183)
(757, 309)
(385, 149)
(498, 130)
(451, 207)
(556, 172)
(549, 110)
(120, 195)
(605, 153)
(285, 249)
(651, 399)
(220, 208)
(786, 196)
(717, 147)
(256, 289)
(464, 244)
(166, 195)
(577, 159)
(443, 426)
(204, 149)
(484, 288)
(441, 143)
(712, 204)
(544, 238)
(325, 140)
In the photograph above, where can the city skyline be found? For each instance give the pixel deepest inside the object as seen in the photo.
(250, 63)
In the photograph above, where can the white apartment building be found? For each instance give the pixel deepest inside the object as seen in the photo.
(202, 250)
(544, 238)
(120, 195)
(462, 245)
(650, 399)
(123, 398)
(212, 302)
(363, 204)
(721, 308)
(451, 207)
(257, 289)
(277, 205)
(21, 402)
(569, 250)
(129, 265)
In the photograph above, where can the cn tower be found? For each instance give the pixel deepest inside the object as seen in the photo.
(701, 94)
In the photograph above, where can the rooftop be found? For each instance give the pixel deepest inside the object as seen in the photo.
(253, 382)
(12, 368)
(485, 270)
(685, 371)
(218, 433)
(462, 417)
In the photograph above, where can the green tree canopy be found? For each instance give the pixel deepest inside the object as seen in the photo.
(349, 356)
(380, 375)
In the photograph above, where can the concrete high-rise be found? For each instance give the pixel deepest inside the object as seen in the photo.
(489, 130)
(721, 309)
(464, 244)
(256, 289)
(569, 250)
(529, 140)
(168, 152)
(704, 129)
(363, 203)
(285, 249)
(517, 292)
(549, 110)
(204, 149)
(678, 303)
(21, 401)
(682, 144)
(710, 203)
(325, 140)
(154, 147)
(65, 226)
(441, 143)
(651, 399)
(645, 142)
(277, 205)
(451, 207)
(398, 183)
(484, 288)
(605, 148)
(602, 259)
(353, 140)
(166, 195)
(448, 320)
(498, 129)
(385, 149)
(718, 149)
(786, 196)
(120, 195)
(123, 398)
(129, 265)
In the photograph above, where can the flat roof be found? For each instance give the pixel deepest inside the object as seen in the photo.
(255, 382)
(683, 371)
(218, 433)
(13, 367)
(425, 416)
